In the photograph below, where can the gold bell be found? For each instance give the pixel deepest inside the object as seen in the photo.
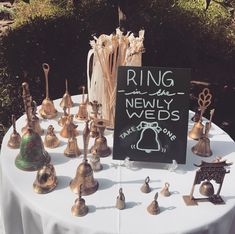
(79, 208)
(51, 140)
(145, 187)
(94, 114)
(165, 191)
(69, 128)
(120, 202)
(84, 173)
(63, 118)
(47, 110)
(66, 100)
(197, 131)
(82, 111)
(72, 149)
(100, 147)
(46, 179)
(153, 208)
(207, 189)
(196, 116)
(95, 163)
(15, 138)
(202, 148)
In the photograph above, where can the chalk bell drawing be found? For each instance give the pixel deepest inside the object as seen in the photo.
(150, 130)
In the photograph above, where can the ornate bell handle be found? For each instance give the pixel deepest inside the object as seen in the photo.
(86, 137)
(46, 69)
(204, 101)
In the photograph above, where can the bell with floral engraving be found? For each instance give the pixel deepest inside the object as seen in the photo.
(32, 154)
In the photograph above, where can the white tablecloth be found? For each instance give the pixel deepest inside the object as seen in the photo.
(25, 212)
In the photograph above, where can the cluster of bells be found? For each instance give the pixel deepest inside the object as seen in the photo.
(34, 157)
(200, 133)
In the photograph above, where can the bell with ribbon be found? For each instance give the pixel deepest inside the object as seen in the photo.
(32, 154)
(149, 140)
(15, 138)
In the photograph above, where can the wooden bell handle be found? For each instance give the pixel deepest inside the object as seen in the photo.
(46, 69)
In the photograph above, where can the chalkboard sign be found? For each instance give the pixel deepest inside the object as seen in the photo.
(151, 122)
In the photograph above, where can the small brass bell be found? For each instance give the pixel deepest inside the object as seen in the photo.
(48, 110)
(84, 173)
(94, 115)
(79, 208)
(69, 128)
(196, 116)
(95, 163)
(165, 191)
(207, 189)
(51, 140)
(197, 131)
(72, 149)
(66, 100)
(153, 208)
(120, 202)
(46, 179)
(202, 148)
(63, 118)
(82, 111)
(32, 154)
(100, 147)
(15, 138)
(145, 187)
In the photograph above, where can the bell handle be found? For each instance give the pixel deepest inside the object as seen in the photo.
(46, 69)
(13, 120)
(167, 185)
(66, 86)
(156, 196)
(83, 94)
(147, 180)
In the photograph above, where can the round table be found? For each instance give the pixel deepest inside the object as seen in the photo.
(25, 212)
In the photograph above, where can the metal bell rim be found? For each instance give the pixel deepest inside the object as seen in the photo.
(43, 190)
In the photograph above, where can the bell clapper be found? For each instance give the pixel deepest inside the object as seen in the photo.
(15, 138)
(120, 202)
(153, 208)
(145, 187)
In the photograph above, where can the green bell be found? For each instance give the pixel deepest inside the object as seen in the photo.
(32, 154)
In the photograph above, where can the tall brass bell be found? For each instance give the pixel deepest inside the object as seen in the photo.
(69, 128)
(153, 208)
(165, 191)
(32, 154)
(207, 189)
(46, 179)
(48, 110)
(84, 173)
(66, 100)
(51, 140)
(82, 111)
(120, 202)
(197, 131)
(145, 187)
(35, 121)
(63, 118)
(79, 208)
(202, 148)
(15, 138)
(100, 147)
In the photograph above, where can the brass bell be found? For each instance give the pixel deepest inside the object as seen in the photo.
(51, 140)
(165, 191)
(100, 147)
(48, 110)
(46, 179)
(15, 138)
(95, 163)
(82, 111)
(120, 202)
(79, 208)
(35, 121)
(202, 148)
(32, 154)
(69, 128)
(145, 187)
(153, 208)
(66, 100)
(63, 118)
(84, 173)
(72, 149)
(196, 116)
(94, 115)
(197, 131)
(207, 189)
